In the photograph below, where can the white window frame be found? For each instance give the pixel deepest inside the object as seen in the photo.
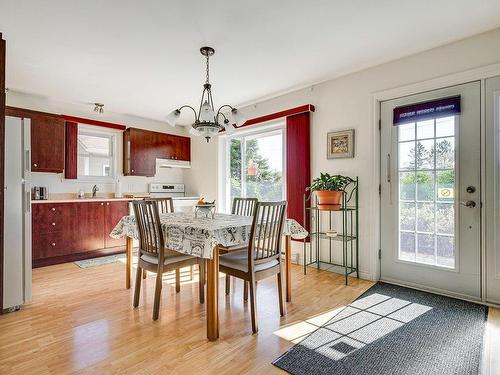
(101, 132)
(224, 183)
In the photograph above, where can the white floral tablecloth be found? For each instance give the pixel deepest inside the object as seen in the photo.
(197, 236)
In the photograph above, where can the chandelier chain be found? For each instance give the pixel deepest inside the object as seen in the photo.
(208, 71)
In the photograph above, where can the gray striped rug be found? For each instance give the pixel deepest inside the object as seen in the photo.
(394, 330)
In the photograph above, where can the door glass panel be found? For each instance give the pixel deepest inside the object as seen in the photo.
(235, 168)
(264, 167)
(427, 192)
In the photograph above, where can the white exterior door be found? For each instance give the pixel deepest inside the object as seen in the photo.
(492, 182)
(430, 192)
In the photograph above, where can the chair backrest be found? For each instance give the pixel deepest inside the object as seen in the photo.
(244, 206)
(151, 239)
(165, 205)
(266, 232)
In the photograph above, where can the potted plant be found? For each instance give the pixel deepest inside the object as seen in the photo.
(329, 190)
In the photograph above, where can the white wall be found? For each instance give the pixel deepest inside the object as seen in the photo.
(345, 102)
(56, 182)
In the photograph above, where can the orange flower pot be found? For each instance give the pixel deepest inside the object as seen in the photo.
(329, 200)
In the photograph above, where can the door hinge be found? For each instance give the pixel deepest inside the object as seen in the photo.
(379, 189)
(379, 124)
(379, 253)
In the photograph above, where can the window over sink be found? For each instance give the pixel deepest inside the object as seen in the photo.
(96, 154)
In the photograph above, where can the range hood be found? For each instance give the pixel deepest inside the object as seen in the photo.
(172, 163)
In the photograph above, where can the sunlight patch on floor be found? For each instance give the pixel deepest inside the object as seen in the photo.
(346, 329)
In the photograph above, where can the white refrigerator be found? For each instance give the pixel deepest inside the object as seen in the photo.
(17, 214)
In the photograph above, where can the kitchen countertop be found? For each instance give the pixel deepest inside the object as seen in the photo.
(99, 199)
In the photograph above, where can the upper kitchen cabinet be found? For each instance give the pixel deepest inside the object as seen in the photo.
(47, 139)
(142, 147)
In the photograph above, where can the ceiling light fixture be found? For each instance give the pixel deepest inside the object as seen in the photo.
(99, 108)
(207, 122)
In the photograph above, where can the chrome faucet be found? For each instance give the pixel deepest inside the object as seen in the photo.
(95, 189)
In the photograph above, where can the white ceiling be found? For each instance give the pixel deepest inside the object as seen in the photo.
(142, 57)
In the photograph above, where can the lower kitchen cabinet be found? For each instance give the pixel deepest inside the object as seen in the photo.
(65, 232)
(113, 212)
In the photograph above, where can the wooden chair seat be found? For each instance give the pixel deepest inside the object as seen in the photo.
(228, 249)
(239, 260)
(169, 260)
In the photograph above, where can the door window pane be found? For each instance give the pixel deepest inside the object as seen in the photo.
(407, 216)
(407, 186)
(406, 132)
(235, 168)
(264, 167)
(425, 186)
(256, 166)
(425, 129)
(427, 192)
(407, 246)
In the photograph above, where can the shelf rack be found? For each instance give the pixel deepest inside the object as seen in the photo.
(349, 236)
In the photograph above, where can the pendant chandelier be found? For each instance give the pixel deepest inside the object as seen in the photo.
(208, 122)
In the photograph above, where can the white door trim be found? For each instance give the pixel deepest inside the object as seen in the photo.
(480, 73)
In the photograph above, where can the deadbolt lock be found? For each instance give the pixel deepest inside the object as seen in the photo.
(471, 189)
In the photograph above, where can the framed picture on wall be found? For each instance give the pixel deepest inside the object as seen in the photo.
(340, 144)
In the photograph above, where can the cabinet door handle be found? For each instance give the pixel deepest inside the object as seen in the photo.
(53, 208)
(53, 224)
(35, 165)
(53, 244)
(102, 203)
(107, 204)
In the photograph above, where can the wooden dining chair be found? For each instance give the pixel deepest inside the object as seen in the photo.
(242, 207)
(262, 258)
(165, 206)
(153, 255)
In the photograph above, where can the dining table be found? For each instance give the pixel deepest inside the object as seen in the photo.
(201, 237)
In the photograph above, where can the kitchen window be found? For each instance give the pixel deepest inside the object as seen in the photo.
(253, 166)
(96, 154)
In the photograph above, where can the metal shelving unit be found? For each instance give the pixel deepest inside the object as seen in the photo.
(349, 236)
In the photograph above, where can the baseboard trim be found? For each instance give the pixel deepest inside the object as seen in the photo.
(78, 256)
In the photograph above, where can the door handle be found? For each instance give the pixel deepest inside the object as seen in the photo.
(470, 204)
(389, 168)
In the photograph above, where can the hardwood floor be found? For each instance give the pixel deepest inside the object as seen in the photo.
(82, 321)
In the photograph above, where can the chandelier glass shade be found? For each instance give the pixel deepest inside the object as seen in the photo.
(207, 121)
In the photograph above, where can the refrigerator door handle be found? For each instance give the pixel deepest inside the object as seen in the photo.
(28, 202)
(27, 161)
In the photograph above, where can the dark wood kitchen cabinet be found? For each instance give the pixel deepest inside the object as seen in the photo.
(47, 139)
(142, 147)
(113, 212)
(65, 232)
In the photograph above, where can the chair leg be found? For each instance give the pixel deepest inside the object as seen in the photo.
(245, 290)
(177, 280)
(201, 281)
(228, 284)
(137, 290)
(253, 306)
(280, 295)
(156, 306)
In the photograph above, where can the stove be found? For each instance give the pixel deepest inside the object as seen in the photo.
(175, 191)
(160, 189)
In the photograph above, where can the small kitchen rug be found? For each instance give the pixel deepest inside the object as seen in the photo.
(94, 262)
(394, 330)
